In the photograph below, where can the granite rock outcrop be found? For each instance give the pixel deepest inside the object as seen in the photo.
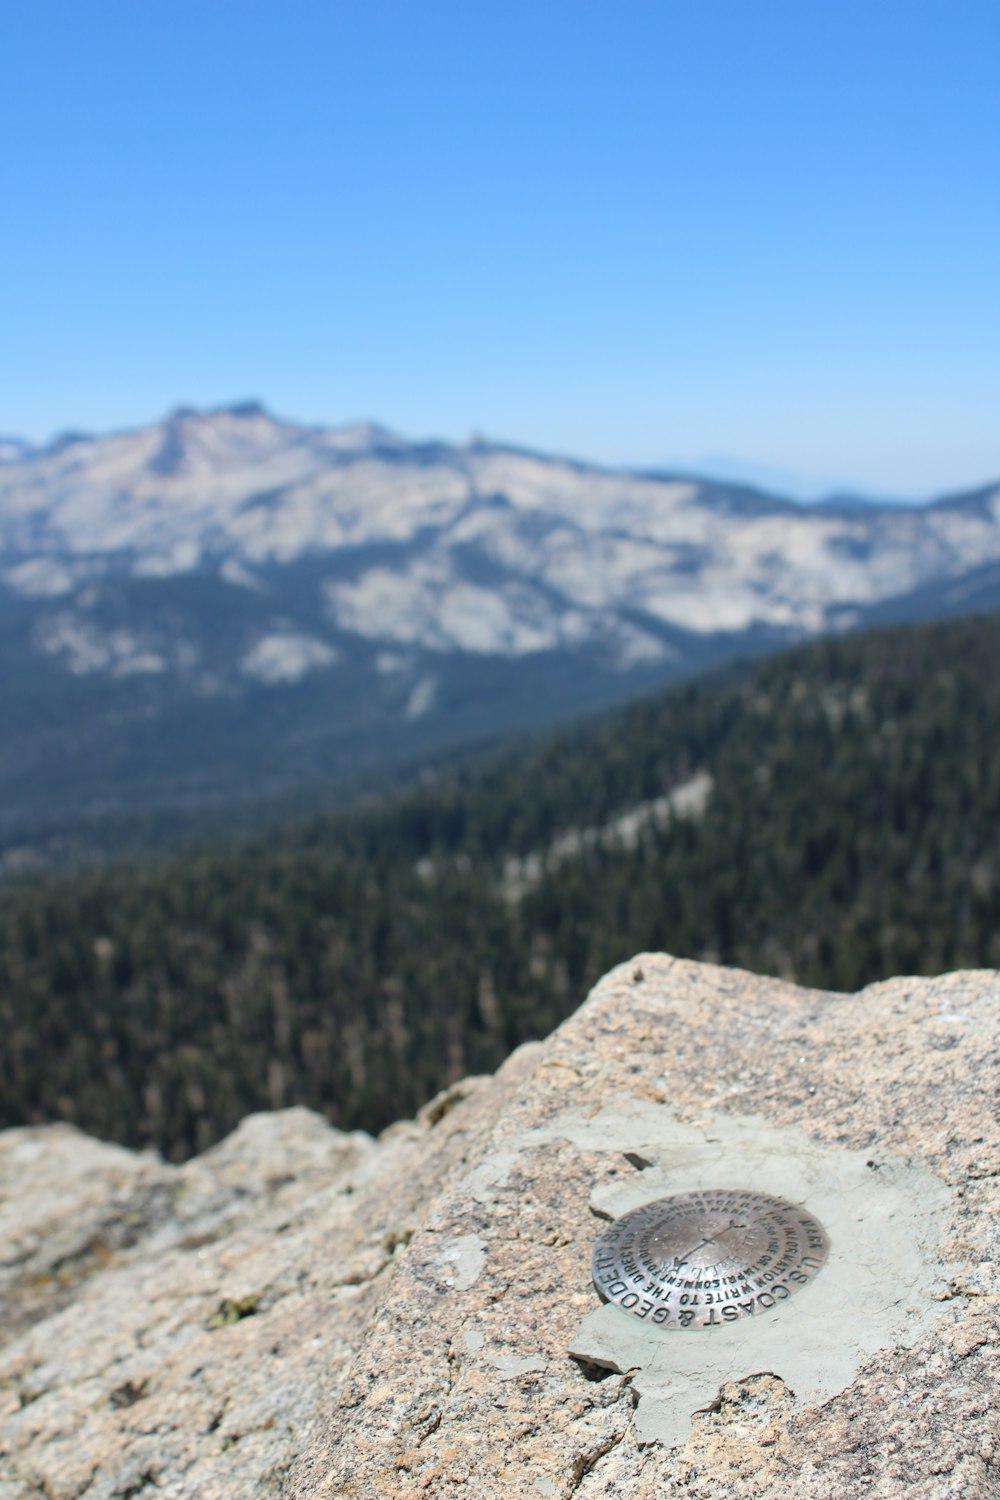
(302, 1313)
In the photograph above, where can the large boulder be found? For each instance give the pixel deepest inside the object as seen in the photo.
(301, 1314)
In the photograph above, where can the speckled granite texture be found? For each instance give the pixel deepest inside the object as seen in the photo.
(301, 1314)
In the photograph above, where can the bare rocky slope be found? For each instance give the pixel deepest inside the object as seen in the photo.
(303, 1313)
(225, 605)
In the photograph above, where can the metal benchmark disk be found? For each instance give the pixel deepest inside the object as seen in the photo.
(698, 1260)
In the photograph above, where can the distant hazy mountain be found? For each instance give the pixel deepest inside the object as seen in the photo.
(226, 603)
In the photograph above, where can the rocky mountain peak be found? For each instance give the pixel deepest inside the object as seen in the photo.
(183, 556)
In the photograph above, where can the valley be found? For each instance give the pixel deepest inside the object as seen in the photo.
(830, 815)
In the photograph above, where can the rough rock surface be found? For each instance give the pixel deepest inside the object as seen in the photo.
(300, 1313)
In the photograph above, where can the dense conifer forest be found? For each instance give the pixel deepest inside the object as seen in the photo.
(831, 815)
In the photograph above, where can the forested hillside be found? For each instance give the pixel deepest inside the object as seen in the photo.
(832, 815)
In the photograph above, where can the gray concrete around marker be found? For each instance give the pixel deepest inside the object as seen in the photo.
(876, 1291)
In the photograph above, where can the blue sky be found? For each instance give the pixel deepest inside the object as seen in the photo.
(767, 230)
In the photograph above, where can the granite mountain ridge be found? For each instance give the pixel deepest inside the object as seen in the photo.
(225, 603)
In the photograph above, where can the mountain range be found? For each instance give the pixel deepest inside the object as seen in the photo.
(225, 604)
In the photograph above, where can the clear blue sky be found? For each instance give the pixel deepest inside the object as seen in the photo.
(640, 232)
